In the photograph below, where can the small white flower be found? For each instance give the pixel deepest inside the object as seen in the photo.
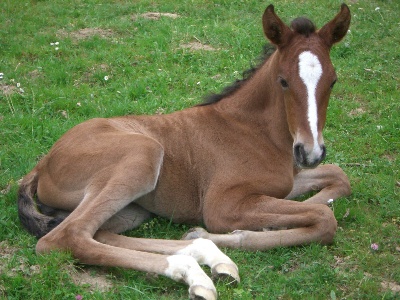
(198, 83)
(378, 8)
(56, 43)
(18, 84)
(330, 201)
(56, 48)
(78, 104)
(21, 90)
(106, 78)
(379, 127)
(1, 75)
(51, 44)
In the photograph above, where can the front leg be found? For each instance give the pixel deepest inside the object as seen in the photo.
(246, 219)
(329, 180)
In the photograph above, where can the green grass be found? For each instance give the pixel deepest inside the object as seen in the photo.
(148, 72)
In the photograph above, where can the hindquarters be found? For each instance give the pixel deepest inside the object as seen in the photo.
(98, 159)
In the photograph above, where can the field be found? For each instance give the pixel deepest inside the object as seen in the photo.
(62, 62)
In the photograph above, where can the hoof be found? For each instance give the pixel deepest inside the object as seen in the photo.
(227, 273)
(195, 233)
(199, 292)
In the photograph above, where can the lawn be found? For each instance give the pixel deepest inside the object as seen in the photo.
(62, 62)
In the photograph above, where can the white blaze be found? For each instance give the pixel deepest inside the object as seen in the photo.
(310, 71)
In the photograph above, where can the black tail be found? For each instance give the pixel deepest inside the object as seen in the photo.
(31, 218)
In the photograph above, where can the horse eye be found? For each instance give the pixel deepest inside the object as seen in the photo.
(333, 84)
(283, 83)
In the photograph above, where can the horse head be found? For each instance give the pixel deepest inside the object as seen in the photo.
(305, 76)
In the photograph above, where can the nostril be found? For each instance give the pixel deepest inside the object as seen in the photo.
(299, 153)
(323, 155)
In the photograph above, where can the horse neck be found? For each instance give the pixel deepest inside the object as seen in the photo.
(260, 102)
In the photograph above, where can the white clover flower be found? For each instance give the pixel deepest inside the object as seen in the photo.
(18, 84)
(1, 75)
(51, 44)
(56, 48)
(106, 78)
(56, 43)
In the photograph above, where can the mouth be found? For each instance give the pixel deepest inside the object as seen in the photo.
(308, 160)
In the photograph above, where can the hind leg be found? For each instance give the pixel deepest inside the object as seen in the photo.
(109, 190)
(203, 251)
(329, 180)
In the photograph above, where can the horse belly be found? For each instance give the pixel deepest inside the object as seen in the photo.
(176, 203)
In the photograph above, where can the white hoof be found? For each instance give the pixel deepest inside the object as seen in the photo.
(226, 272)
(199, 292)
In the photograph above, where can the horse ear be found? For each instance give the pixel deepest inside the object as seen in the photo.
(336, 29)
(275, 30)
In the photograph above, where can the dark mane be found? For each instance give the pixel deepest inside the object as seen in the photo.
(303, 26)
(268, 49)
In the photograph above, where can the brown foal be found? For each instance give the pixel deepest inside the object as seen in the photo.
(230, 164)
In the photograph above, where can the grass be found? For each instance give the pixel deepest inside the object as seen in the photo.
(111, 61)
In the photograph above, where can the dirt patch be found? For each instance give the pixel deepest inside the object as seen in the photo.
(89, 76)
(195, 46)
(394, 287)
(86, 33)
(7, 253)
(357, 112)
(389, 157)
(8, 90)
(35, 74)
(93, 280)
(157, 15)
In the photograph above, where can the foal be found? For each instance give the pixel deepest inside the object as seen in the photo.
(229, 164)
